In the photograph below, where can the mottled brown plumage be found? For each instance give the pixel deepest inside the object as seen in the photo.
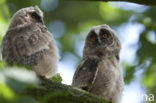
(99, 71)
(29, 43)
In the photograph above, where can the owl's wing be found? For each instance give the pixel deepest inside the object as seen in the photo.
(85, 74)
(32, 39)
(26, 44)
(7, 50)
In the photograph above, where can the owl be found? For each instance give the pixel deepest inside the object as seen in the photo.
(28, 42)
(99, 71)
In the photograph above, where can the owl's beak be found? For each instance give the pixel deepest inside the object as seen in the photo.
(42, 22)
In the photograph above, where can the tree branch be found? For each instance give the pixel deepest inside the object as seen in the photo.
(144, 2)
(52, 92)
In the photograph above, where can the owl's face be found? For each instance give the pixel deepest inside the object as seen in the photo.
(101, 39)
(99, 36)
(26, 16)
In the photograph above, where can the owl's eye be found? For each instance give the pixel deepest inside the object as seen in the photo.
(34, 15)
(104, 36)
(92, 39)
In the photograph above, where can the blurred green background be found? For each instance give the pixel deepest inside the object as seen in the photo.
(69, 22)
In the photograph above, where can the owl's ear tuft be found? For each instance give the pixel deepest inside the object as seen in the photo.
(36, 7)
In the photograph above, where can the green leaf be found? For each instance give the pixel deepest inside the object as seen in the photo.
(2, 65)
(6, 92)
(57, 78)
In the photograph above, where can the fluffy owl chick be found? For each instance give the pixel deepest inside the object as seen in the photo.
(99, 71)
(29, 43)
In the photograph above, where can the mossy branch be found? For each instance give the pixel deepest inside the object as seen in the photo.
(53, 92)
